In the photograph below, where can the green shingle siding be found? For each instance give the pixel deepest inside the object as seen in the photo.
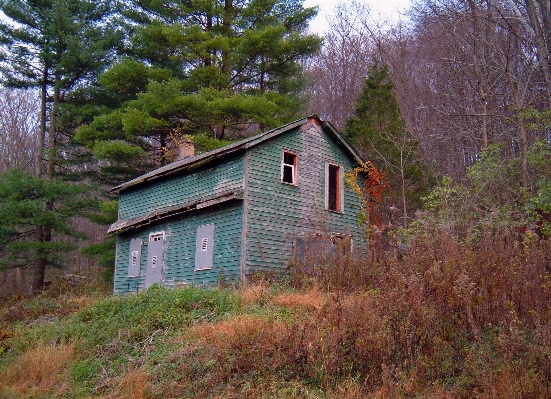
(277, 213)
(179, 252)
(174, 190)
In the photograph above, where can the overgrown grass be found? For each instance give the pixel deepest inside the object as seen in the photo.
(445, 320)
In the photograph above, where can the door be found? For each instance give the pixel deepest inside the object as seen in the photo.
(204, 247)
(155, 250)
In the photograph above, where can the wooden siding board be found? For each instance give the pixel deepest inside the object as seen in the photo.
(175, 190)
(179, 253)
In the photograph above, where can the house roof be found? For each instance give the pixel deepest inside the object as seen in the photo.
(172, 210)
(190, 163)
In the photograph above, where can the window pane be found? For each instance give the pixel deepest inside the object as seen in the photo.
(289, 158)
(289, 168)
(287, 174)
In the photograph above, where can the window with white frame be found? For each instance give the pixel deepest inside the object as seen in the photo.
(289, 167)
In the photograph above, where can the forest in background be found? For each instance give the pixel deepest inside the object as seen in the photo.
(451, 103)
(450, 106)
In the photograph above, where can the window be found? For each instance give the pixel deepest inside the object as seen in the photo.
(342, 242)
(157, 236)
(289, 164)
(333, 187)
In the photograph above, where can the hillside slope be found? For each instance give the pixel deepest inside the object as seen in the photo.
(460, 323)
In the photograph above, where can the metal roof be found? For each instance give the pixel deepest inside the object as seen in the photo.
(190, 163)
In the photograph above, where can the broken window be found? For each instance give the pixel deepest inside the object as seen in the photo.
(289, 167)
(333, 187)
(343, 242)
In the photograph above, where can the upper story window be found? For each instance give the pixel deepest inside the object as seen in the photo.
(333, 187)
(289, 167)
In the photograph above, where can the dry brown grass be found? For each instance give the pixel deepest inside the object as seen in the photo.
(132, 385)
(449, 319)
(255, 293)
(313, 299)
(38, 371)
(239, 331)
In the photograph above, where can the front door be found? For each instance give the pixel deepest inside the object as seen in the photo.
(154, 268)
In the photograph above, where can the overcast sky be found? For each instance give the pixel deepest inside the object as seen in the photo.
(385, 8)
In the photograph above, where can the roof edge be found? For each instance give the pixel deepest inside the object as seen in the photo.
(344, 143)
(207, 157)
(242, 145)
(121, 226)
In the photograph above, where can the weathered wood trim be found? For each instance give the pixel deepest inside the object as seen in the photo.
(117, 249)
(162, 213)
(340, 186)
(243, 260)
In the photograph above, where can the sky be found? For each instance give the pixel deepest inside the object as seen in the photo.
(384, 8)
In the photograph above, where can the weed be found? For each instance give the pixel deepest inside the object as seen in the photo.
(37, 372)
(447, 318)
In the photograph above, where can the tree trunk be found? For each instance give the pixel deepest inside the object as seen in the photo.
(42, 130)
(477, 68)
(44, 233)
(52, 130)
(404, 201)
(39, 271)
(162, 142)
(541, 25)
(227, 19)
(524, 141)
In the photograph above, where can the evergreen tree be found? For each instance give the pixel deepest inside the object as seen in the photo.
(379, 133)
(53, 46)
(206, 67)
(22, 198)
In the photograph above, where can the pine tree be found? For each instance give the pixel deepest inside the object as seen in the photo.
(379, 133)
(54, 46)
(205, 67)
(22, 198)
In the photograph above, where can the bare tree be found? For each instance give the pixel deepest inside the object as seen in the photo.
(490, 70)
(535, 16)
(337, 73)
(19, 124)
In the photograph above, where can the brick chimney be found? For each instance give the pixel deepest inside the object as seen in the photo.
(186, 150)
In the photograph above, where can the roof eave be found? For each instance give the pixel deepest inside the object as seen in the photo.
(209, 157)
(124, 225)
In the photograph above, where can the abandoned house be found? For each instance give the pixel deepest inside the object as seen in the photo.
(239, 209)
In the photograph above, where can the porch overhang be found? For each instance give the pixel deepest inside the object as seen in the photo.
(170, 211)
